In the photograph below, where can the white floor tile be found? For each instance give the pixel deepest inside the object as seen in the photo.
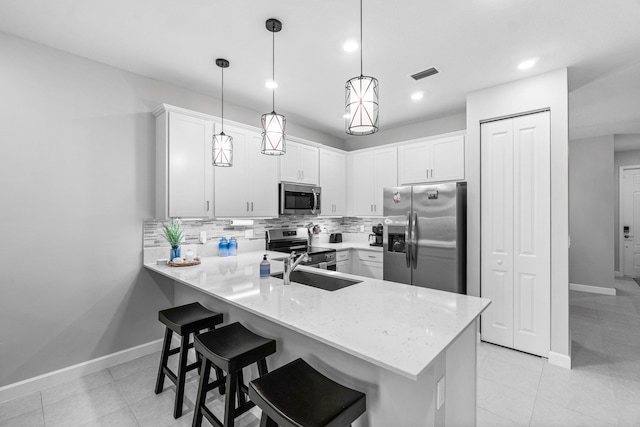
(549, 414)
(505, 401)
(54, 394)
(120, 418)
(30, 419)
(19, 406)
(485, 418)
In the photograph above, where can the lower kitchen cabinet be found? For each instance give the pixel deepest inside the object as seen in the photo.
(343, 261)
(366, 263)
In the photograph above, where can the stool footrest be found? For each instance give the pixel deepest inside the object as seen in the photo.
(215, 384)
(177, 349)
(210, 417)
(169, 373)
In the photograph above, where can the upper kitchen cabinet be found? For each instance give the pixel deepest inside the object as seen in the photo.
(333, 179)
(184, 173)
(369, 172)
(432, 160)
(249, 188)
(300, 164)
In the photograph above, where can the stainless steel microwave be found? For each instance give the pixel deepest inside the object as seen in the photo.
(297, 199)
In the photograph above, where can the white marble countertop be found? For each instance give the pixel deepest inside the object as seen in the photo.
(351, 245)
(398, 327)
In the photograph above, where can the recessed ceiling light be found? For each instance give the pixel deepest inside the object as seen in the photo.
(418, 95)
(525, 65)
(271, 84)
(350, 46)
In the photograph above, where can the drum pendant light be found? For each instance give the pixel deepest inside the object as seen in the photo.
(273, 124)
(361, 100)
(222, 144)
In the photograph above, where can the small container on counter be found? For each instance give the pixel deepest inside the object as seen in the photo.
(223, 247)
(265, 267)
(233, 247)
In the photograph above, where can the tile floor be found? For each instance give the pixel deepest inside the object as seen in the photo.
(514, 389)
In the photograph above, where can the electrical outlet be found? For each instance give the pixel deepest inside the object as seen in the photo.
(440, 393)
(248, 234)
(362, 228)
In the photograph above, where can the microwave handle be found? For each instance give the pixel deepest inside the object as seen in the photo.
(315, 202)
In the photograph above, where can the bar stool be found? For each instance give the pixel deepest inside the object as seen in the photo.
(183, 320)
(229, 348)
(296, 395)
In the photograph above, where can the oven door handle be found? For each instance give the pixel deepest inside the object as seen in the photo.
(315, 202)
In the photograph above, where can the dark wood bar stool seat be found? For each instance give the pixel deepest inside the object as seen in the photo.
(183, 320)
(296, 395)
(229, 348)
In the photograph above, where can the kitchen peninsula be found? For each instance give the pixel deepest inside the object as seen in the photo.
(396, 343)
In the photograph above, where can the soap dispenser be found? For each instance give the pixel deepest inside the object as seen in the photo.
(265, 267)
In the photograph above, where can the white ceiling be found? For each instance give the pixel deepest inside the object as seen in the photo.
(474, 43)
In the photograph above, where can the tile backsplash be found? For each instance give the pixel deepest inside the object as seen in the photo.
(217, 228)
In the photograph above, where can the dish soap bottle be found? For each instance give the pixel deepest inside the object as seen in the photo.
(265, 267)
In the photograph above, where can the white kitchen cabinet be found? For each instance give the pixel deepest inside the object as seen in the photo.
(184, 173)
(369, 263)
(432, 160)
(369, 172)
(249, 188)
(299, 164)
(343, 261)
(333, 179)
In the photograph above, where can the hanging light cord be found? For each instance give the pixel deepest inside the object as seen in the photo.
(360, 38)
(273, 67)
(222, 71)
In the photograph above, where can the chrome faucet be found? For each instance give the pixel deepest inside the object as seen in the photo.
(289, 266)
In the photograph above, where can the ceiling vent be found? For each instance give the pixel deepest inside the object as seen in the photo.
(426, 73)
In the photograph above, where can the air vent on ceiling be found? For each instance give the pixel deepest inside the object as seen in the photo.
(426, 73)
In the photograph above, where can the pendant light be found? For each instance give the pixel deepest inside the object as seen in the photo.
(273, 124)
(222, 144)
(361, 100)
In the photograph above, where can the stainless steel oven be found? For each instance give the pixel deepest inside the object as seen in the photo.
(297, 199)
(296, 240)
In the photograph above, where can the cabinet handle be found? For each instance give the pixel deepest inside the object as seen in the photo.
(207, 206)
(251, 206)
(371, 256)
(302, 174)
(247, 206)
(427, 171)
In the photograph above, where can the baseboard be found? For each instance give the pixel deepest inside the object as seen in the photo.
(63, 375)
(592, 289)
(618, 274)
(561, 360)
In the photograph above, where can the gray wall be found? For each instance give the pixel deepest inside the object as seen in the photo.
(548, 90)
(591, 213)
(621, 158)
(77, 180)
(452, 123)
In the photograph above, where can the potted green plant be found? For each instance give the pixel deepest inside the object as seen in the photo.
(174, 234)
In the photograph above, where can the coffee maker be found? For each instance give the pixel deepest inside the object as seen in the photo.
(377, 235)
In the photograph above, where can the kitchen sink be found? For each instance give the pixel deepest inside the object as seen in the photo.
(321, 281)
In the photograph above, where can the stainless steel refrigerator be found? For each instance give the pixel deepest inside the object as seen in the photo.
(425, 235)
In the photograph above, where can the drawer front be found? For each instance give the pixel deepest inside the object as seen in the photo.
(342, 256)
(370, 256)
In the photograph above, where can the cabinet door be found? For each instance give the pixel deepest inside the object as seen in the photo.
(447, 159)
(261, 179)
(190, 168)
(386, 175)
(231, 195)
(413, 163)
(363, 177)
(308, 157)
(290, 163)
(343, 267)
(333, 176)
(371, 269)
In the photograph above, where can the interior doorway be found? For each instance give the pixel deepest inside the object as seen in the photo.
(630, 220)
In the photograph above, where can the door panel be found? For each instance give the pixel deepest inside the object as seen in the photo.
(532, 237)
(497, 231)
(397, 205)
(631, 218)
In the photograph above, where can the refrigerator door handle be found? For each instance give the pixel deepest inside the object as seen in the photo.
(407, 242)
(414, 240)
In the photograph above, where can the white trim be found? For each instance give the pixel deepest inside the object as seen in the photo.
(561, 360)
(617, 274)
(31, 385)
(592, 289)
(620, 239)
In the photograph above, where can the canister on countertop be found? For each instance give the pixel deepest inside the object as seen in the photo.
(233, 247)
(223, 247)
(265, 267)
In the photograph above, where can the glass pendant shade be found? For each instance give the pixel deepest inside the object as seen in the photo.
(222, 150)
(361, 105)
(273, 134)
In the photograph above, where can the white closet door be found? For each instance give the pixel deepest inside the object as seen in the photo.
(497, 231)
(516, 232)
(532, 233)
